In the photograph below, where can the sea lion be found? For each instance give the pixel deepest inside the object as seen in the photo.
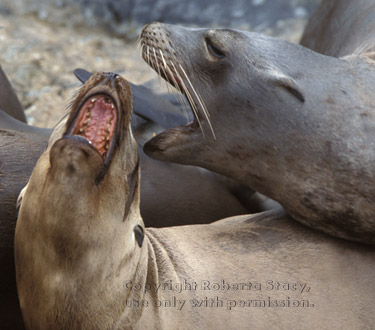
(171, 194)
(288, 122)
(84, 261)
(340, 28)
(8, 99)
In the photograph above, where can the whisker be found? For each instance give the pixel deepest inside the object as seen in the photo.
(200, 101)
(192, 103)
(167, 66)
(156, 61)
(180, 95)
(185, 89)
(142, 47)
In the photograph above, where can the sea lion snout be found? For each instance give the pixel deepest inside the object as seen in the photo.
(73, 156)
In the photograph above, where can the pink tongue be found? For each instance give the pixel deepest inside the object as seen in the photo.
(96, 122)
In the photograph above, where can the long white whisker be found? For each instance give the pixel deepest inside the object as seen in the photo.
(199, 100)
(187, 93)
(180, 94)
(191, 101)
(156, 61)
(168, 82)
(162, 57)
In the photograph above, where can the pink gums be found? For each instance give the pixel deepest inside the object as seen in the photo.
(96, 122)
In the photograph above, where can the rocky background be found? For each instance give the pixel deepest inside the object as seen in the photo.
(43, 41)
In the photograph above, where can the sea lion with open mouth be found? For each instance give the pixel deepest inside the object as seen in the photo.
(85, 261)
(171, 194)
(290, 123)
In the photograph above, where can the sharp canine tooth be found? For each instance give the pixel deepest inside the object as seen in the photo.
(93, 100)
(112, 106)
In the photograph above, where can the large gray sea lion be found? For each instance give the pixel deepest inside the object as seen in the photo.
(84, 261)
(295, 125)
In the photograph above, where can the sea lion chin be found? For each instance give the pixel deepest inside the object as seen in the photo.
(292, 124)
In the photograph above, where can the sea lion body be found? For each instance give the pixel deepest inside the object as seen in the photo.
(295, 125)
(89, 263)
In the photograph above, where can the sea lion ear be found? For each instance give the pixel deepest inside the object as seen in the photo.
(139, 234)
(280, 79)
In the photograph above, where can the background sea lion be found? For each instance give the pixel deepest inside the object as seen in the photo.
(83, 261)
(339, 28)
(292, 124)
(20, 147)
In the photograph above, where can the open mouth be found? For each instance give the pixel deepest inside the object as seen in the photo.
(167, 67)
(96, 122)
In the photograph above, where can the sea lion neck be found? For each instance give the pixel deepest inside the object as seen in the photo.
(82, 224)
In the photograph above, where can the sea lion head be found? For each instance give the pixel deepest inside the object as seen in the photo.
(292, 124)
(79, 215)
(217, 70)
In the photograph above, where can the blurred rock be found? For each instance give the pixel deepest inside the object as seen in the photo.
(126, 17)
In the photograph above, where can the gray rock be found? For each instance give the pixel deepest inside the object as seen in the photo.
(128, 16)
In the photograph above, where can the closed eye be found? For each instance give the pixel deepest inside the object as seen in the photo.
(214, 50)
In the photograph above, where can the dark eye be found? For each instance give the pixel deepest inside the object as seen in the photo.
(214, 50)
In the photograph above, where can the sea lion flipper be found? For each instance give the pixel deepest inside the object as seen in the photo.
(9, 102)
(82, 75)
